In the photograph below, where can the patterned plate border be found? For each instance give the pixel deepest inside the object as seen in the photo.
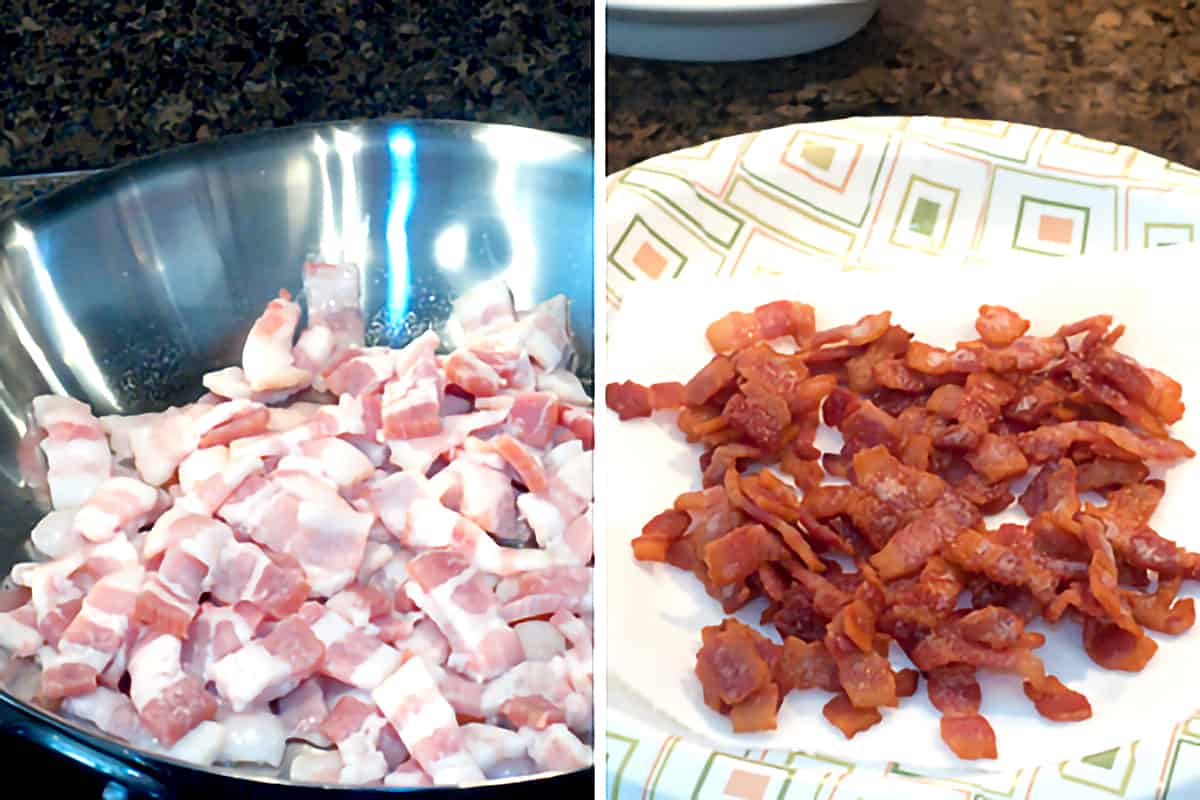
(885, 193)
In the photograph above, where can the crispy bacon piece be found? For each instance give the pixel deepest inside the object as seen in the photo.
(730, 664)
(628, 399)
(970, 736)
(848, 718)
(999, 326)
(1056, 702)
(1113, 647)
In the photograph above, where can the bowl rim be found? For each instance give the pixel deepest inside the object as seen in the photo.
(720, 8)
(94, 181)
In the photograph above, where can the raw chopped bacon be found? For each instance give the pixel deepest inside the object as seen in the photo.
(77, 454)
(352, 655)
(267, 355)
(359, 547)
(169, 702)
(411, 701)
(463, 604)
(932, 442)
(270, 667)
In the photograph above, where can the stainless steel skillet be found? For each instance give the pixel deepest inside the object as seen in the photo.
(124, 289)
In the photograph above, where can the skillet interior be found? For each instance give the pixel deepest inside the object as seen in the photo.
(125, 289)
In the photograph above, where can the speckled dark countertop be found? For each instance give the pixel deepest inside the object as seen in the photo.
(1120, 70)
(91, 84)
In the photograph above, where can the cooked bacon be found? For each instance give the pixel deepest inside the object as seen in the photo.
(932, 440)
(848, 718)
(999, 326)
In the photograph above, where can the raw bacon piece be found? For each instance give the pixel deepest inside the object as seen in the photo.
(273, 583)
(464, 606)
(426, 723)
(169, 702)
(352, 655)
(412, 399)
(119, 505)
(95, 634)
(302, 711)
(268, 668)
(267, 356)
(110, 711)
(355, 727)
(76, 449)
(556, 748)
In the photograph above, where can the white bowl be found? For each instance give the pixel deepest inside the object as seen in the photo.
(731, 30)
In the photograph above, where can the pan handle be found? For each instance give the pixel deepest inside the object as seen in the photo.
(115, 779)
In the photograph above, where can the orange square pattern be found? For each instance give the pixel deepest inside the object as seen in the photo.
(649, 260)
(1055, 229)
(746, 785)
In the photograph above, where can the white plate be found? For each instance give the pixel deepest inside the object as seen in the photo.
(729, 30)
(883, 195)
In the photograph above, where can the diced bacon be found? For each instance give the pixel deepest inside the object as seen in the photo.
(463, 605)
(77, 454)
(201, 745)
(316, 766)
(169, 702)
(56, 598)
(412, 399)
(273, 583)
(329, 543)
(540, 640)
(352, 655)
(481, 493)
(216, 632)
(426, 723)
(270, 667)
(364, 372)
(541, 592)
(579, 657)
(548, 679)
(97, 632)
(267, 355)
(120, 429)
(533, 417)
(302, 711)
(580, 422)
(110, 711)
(344, 463)
(116, 554)
(209, 476)
(55, 534)
(542, 333)
(424, 639)
(18, 631)
(356, 728)
(551, 526)
(487, 306)
(490, 745)
(161, 445)
(565, 385)
(162, 610)
(472, 373)
(119, 505)
(253, 737)
(418, 455)
(431, 525)
(556, 749)
(230, 420)
(532, 712)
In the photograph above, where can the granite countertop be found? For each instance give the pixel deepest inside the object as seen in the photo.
(1120, 70)
(89, 85)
